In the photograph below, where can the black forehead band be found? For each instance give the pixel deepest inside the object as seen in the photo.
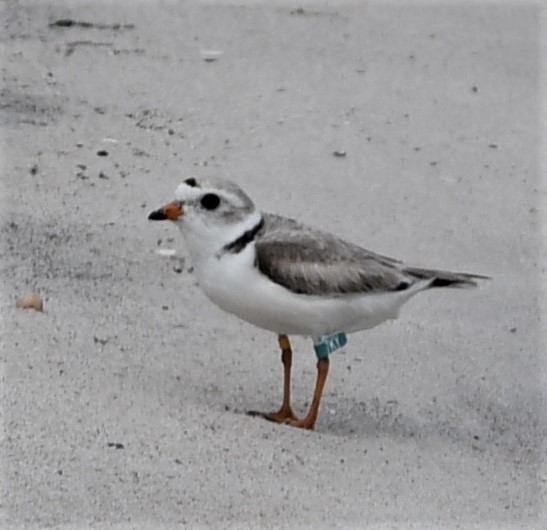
(191, 182)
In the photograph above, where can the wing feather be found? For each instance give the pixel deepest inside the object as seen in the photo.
(313, 262)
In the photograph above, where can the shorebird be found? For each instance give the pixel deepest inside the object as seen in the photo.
(288, 278)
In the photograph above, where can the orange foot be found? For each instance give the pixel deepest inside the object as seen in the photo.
(284, 415)
(304, 423)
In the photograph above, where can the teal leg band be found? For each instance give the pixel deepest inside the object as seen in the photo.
(329, 345)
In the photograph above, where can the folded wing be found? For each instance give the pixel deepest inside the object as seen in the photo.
(312, 262)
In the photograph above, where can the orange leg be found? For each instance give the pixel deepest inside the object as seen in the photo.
(309, 421)
(285, 414)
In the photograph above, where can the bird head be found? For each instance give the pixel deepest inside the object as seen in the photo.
(210, 213)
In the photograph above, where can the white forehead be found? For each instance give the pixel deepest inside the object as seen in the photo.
(224, 188)
(187, 193)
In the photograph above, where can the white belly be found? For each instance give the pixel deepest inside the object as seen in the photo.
(236, 286)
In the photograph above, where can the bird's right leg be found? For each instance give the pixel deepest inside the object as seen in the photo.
(285, 413)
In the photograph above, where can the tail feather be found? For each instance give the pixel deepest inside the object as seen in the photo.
(445, 278)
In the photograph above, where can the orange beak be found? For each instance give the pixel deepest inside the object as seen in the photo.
(171, 211)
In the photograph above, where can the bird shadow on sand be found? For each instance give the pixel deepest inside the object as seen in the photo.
(373, 417)
(479, 423)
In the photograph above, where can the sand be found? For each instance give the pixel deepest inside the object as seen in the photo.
(123, 402)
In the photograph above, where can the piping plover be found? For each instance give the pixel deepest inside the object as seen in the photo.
(285, 277)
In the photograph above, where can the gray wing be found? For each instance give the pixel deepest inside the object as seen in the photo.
(313, 262)
(309, 261)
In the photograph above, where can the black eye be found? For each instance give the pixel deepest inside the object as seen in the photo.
(191, 182)
(210, 201)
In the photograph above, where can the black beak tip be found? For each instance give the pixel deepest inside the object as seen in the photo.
(157, 215)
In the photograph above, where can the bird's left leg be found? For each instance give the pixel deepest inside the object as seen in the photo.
(285, 413)
(309, 421)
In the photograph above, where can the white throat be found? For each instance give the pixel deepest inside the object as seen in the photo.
(206, 242)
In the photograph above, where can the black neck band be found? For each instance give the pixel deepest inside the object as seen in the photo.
(237, 245)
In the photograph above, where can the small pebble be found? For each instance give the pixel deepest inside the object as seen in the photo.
(168, 252)
(31, 301)
(339, 153)
(210, 56)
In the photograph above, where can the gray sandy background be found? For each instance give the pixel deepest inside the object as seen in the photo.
(123, 403)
